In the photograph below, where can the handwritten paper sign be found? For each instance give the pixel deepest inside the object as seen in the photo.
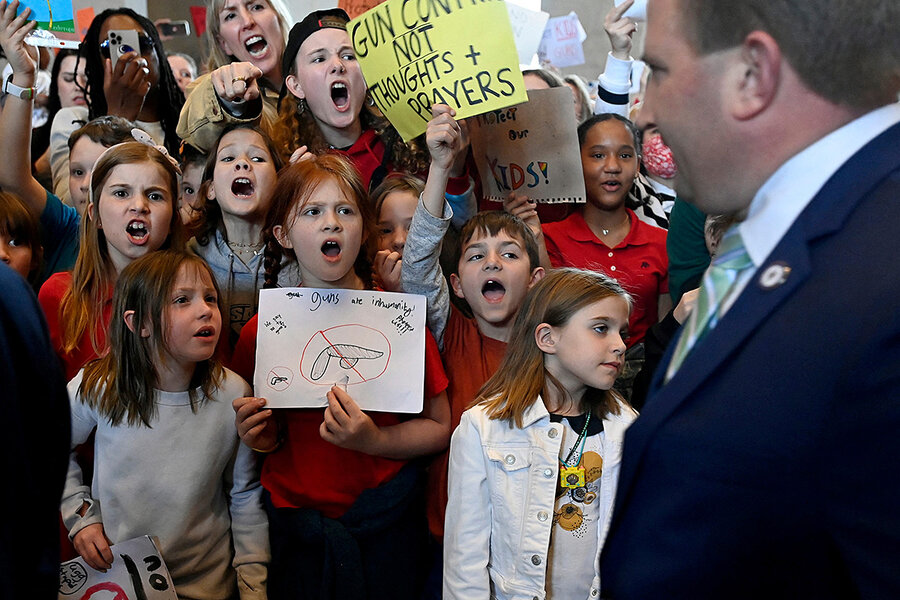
(310, 339)
(55, 23)
(528, 30)
(561, 44)
(531, 148)
(418, 53)
(138, 573)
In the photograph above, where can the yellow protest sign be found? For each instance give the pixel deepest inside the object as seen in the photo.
(415, 53)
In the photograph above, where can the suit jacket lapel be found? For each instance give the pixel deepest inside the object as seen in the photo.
(826, 213)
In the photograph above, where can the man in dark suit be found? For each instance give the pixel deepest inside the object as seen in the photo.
(766, 463)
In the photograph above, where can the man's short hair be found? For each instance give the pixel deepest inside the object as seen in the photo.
(847, 51)
(490, 223)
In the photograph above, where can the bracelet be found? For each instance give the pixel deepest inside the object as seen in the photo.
(279, 442)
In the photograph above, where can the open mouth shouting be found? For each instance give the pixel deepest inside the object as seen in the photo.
(256, 46)
(340, 95)
(493, 291)
(242, 187)
(331, 249)
(137, 231)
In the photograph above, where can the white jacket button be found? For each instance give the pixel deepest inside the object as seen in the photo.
(510, 459)
(553, 433)
(543, 516)
(594, 592)
(548, 473)
(535, 559)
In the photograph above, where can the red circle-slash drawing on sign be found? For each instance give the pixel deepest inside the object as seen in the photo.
(279, 378)
(356, 351)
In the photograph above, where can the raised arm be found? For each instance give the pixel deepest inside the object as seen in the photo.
(421, 270)
(612, 94)
(15, 119)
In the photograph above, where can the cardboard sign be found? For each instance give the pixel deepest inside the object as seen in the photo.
(137, 573)
(531, 148)
(415, 54)
(528, 30)
(561, 45)
(55, 23)
(311, 339)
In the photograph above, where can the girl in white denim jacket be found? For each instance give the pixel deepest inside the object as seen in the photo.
(534, 464)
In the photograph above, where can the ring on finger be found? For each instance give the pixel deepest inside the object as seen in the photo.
(238, 78)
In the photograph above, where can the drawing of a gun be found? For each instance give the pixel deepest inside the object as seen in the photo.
(349, 355)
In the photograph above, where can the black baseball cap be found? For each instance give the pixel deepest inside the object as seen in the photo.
(334, 18)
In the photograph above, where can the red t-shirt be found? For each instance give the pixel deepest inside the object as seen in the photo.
(471, 358)
(50, 297)
(639, 263)
(308, 472)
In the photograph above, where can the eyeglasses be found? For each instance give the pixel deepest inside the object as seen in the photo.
(144, 42)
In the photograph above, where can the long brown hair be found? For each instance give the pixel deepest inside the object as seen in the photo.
(521, 376)
(121, 385)
(82, 305)
(296, 185)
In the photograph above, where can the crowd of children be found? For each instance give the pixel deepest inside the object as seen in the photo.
(149, 274)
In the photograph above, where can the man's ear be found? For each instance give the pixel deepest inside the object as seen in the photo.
(545, 338)
(456, 284)
(128, 317)
(536, 275)
(294, 87)
(757, 75)
(283, 238)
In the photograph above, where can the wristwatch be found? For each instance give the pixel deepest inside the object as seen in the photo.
(25, 93)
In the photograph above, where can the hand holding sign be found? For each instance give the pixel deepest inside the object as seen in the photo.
(92, 545)
(347, 426)
(255, 424)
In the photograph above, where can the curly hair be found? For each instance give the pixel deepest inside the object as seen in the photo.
(170, 99)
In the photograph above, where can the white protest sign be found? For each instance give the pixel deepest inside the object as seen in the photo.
(530, 148)
(311, 339)
(638, 10)
(137, 573)
(528, 29)
(561, 45)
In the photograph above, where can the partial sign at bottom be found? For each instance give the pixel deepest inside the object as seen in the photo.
(138, 573)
